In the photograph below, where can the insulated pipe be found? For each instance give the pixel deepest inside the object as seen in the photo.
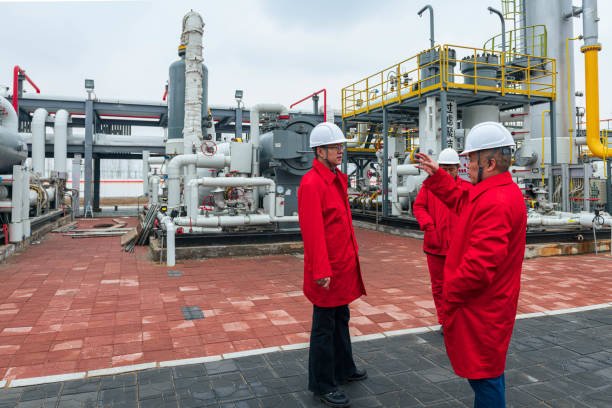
(50, 193)
(169, 227)
(61, 139)
(587, 219)
(503, 24)
(431, 23)
(147, 161)
(407, 170)
(176, 165)
(154, 199)
(226, 220)
(591, 72)
(193, 28)
(39, 136)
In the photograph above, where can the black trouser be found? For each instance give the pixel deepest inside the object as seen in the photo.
(331, 357)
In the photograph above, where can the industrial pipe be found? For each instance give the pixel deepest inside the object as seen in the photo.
(569, 92)
(147, 161)
(154, 199)
(431, 23)
(169, 227)
(193, 28)
(503, 24)
(591, 72)
(254, 135)
(311, 96)
(176, 165)
(16, 72)
(39, 137)
(192, 208)
(232, 220)
(60, 141)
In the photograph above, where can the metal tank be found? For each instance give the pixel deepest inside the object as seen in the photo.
(429, 65)
(285, 156)
(176, 96)
(550, 14)
(13, 149)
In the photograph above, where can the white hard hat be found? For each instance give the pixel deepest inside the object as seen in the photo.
(448, 156)
(487, 135)
(326, 133)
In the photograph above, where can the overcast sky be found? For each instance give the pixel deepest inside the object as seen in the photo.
(275, 50)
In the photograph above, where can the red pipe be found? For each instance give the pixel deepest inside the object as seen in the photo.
(310, 96)
(165, 93)
(16, 71)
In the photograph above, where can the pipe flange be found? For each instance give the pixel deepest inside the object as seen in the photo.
(593, 47)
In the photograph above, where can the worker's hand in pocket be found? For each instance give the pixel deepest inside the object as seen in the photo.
(324, 282)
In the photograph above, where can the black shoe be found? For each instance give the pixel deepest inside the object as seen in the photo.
(336, 399)
(358, 375)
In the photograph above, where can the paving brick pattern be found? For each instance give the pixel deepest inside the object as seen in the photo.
(71, 305)
(554, 361)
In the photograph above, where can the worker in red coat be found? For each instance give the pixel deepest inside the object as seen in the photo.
(482, 273)
(439, 223)
(332, 276)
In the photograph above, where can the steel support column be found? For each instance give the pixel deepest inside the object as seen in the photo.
(553, 133)
(89, 123)
(443, 118)
(609, 188)
(385, 169)
(96, 184)
(238, 130)
(344, 166)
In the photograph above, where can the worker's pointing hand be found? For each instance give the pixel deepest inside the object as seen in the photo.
(324, 282)
(426, 163)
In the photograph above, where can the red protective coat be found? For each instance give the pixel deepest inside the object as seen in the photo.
(482, 274)
(330, 247)
(436, 219)
(439, 223)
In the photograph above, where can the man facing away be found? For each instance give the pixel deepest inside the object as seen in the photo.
(332, 275)
(439, 224)
(483, 269)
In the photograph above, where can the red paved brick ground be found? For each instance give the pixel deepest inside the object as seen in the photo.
(71, 305)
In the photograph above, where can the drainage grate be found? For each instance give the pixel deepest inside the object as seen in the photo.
(175, 274)
(192, 312)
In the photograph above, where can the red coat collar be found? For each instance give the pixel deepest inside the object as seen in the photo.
(494, 181)
(326, 174)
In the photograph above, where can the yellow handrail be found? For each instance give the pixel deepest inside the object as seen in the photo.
(430, 70)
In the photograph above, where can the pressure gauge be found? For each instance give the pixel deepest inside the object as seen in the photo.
(280, 189)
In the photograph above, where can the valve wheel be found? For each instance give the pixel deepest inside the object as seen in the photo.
(209, 148)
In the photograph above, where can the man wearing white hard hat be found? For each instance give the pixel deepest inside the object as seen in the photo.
(438, 223)
(332, 275)
(482, 273)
